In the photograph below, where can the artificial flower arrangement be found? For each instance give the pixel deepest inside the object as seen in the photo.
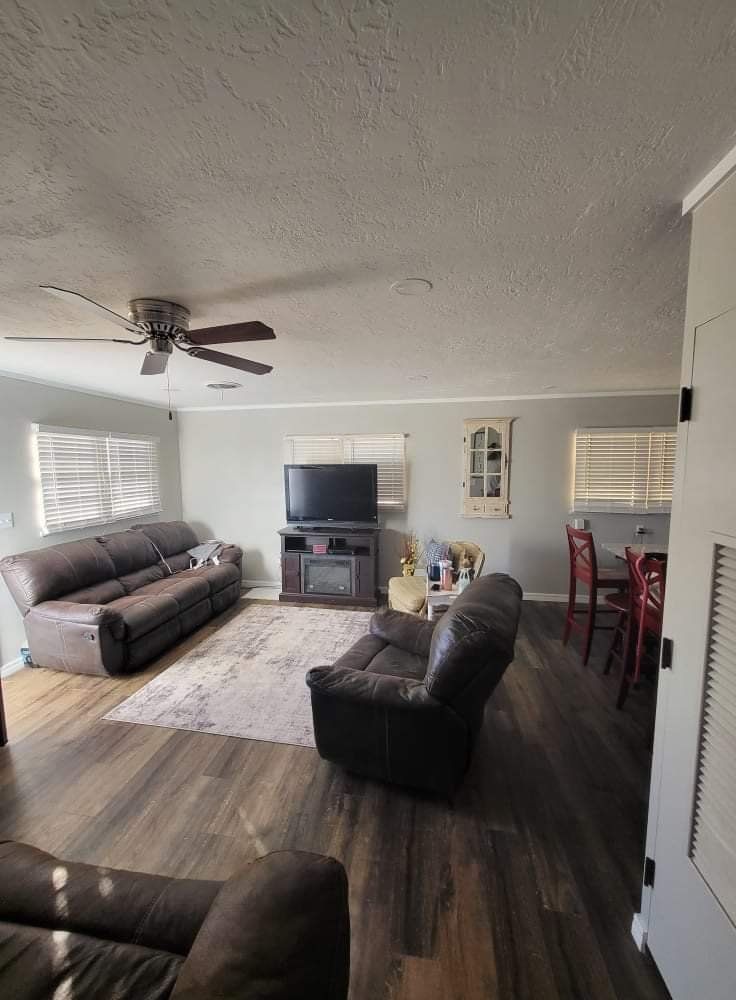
(410, 554)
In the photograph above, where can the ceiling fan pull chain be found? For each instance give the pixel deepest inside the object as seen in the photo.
(168, 390)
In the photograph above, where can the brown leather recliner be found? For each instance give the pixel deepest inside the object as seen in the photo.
(108, 605)
(279, 928)
(406, 701)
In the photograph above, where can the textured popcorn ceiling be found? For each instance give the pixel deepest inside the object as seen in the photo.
(287, 161)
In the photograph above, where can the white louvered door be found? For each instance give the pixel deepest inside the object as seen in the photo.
(692, 835)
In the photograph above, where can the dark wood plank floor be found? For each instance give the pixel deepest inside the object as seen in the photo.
(525, 888)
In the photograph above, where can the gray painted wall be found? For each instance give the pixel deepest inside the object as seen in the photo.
(232, 479)
(23, 403)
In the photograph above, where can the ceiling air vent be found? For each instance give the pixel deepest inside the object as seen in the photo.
(222, 386)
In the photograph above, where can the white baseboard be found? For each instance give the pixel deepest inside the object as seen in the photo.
(11, 667)
(554, 598)
(639, 932)
(529, 596)
(559, 598)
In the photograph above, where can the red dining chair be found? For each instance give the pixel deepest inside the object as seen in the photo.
(648, 577)
(584, 569)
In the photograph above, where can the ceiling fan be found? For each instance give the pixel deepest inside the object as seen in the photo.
(164, 326)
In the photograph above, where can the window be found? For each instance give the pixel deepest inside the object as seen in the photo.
(387, 451)
(90, 477)
(624, 470)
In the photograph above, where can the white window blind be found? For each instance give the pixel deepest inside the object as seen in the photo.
(387, 451)
(713, 836)
(624, 470)
(92, 477)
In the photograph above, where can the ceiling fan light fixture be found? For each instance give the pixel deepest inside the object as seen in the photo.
(412, 286)
(223, 386)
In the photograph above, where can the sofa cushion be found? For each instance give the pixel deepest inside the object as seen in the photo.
(184, 588)
(54, 571)
(129, 551)
(40, 962)
(142, 614)
(217, 577)
(147, 647)
(149, 574)
(179, 561)
(361, 653)
(98, 593)
(222, 599)
(407, 593)
(169, 537)
(398, 663)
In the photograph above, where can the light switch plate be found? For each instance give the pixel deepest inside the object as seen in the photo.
(7, 520)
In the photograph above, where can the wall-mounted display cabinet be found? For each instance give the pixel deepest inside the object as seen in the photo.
(486, 458)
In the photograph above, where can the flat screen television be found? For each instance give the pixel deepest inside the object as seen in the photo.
(325, 494)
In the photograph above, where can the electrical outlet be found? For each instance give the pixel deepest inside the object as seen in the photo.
(579, 524)
(7, 520)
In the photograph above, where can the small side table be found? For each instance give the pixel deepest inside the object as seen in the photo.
(439, 599)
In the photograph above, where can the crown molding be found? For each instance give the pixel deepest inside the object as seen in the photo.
(82, 389)
(713, 179)
(416, 401)
(437, 400)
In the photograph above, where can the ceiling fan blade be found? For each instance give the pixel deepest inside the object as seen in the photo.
(231, 333)
(77, 340)
(103, 311)
(243, 364)
(154, 363)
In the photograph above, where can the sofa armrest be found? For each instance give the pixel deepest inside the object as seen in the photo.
(376, 690)
(280, 928)
(407, 632)
(79, 614)
(231, 554)
(150, 910)
(80, 638)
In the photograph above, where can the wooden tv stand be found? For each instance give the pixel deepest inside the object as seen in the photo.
(346, 574)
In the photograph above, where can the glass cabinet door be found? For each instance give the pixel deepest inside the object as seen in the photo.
(476, 486)
(486, 468)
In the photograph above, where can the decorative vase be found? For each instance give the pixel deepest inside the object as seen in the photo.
(408, 569)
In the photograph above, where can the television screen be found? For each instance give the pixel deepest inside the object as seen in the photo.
(317, 494)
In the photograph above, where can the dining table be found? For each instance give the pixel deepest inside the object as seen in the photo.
(618, 549)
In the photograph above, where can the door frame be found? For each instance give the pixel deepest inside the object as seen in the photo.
(640, 920)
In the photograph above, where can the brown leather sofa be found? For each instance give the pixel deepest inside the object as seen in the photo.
(279, 928)
(405, 703)
(109, 604)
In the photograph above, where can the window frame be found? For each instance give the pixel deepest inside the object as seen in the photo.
(660, 468)
(343, 453)
(103, 489)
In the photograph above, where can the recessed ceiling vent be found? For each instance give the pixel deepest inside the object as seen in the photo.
(222, 386)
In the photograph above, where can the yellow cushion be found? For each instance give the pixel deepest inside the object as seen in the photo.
(407, 593)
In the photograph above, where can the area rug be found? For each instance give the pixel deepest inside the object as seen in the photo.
(247, 679)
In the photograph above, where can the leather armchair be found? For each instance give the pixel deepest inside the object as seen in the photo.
(405, 703)
(278, 928)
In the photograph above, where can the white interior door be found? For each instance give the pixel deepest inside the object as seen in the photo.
(692, 920)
